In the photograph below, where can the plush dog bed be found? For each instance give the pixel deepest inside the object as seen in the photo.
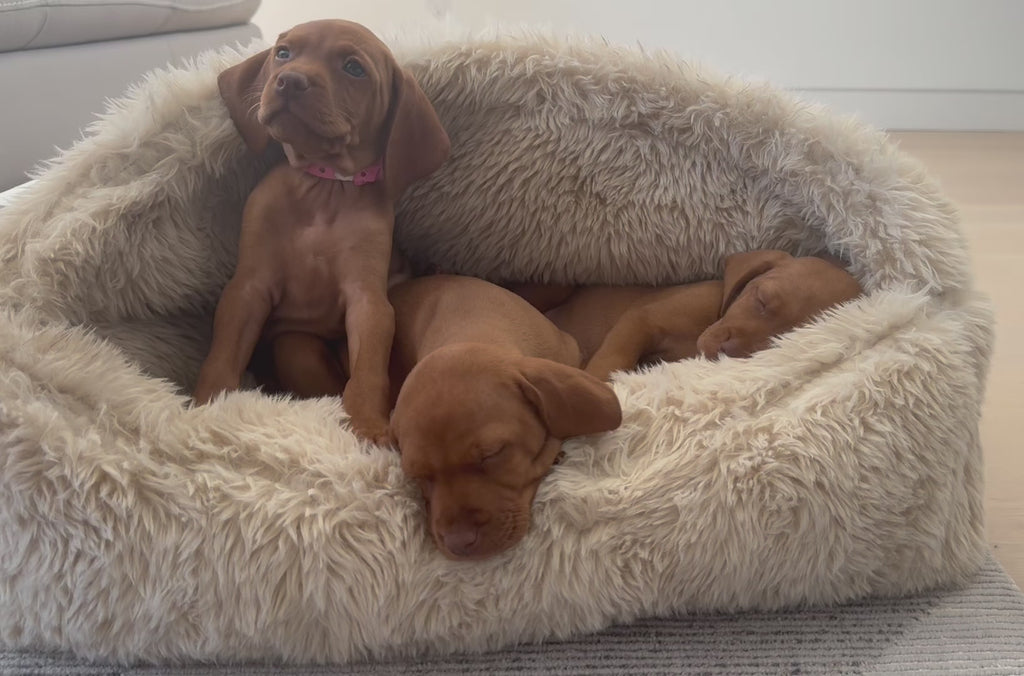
(843, 462)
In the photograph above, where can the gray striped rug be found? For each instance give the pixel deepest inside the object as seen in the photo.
(977, 630)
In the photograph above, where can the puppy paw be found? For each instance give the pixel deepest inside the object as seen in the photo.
(368, 414)
(206, 392)
(376, 431)
(212, 381)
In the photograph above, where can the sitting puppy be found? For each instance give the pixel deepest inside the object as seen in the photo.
(316, 239)
(490, 388)
(763, 294)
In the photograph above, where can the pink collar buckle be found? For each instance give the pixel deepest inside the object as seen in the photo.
(371, 174)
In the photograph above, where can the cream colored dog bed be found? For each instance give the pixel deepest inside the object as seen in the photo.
(841, 463)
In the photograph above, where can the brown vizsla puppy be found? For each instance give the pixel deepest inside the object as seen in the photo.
(315, 245)
(764, 293)
(619, 327)
(767, 293)
(489, 389)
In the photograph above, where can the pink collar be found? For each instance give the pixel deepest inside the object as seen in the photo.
(371, 174)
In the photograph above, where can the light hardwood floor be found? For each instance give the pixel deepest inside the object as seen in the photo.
(983, 173)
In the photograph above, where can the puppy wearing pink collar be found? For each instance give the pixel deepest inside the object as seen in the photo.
(316, 239)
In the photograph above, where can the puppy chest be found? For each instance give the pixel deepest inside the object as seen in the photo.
(309, 296)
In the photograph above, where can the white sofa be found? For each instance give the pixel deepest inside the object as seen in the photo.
(60, 60)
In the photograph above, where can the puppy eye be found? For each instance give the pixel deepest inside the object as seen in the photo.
(354, 68)
(282, 54)
(491, 456)
(761, 301)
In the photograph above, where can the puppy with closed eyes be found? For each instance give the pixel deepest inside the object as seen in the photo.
(763, 294)
(488, 389)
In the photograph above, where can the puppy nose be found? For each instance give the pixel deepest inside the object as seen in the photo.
(732, 348)
(461, 540)
(292, 83)
(710, 345)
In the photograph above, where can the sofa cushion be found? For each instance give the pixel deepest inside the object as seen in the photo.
(61, 89)
(28, 24)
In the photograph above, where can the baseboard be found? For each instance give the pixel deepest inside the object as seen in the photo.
(931, 110)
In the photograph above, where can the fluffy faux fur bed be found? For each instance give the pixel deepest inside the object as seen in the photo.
(843, 462)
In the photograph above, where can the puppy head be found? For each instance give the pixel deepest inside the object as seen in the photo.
(766, 293)
(332, 93)
(479, 427)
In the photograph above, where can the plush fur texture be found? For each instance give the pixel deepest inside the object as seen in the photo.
(843, 462)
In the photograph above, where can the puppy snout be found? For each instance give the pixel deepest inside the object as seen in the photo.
(713, 344)
(291, 83)
(461, 539)
(732, 348)
(710, 344)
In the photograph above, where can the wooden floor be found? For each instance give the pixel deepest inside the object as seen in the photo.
(984, 175)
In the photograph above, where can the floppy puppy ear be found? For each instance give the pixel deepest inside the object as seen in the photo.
(741, 268)
(241, 87)
(570, 401)
(417, 144)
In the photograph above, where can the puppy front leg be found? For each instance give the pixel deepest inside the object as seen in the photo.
(623, 347)
(237, 324)
(370, 327)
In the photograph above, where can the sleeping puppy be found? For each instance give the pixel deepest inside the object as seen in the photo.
(621, 327)
(763, 294)
(487, 390)
(767, 293)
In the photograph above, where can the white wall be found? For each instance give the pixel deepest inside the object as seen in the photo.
(900, 64)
